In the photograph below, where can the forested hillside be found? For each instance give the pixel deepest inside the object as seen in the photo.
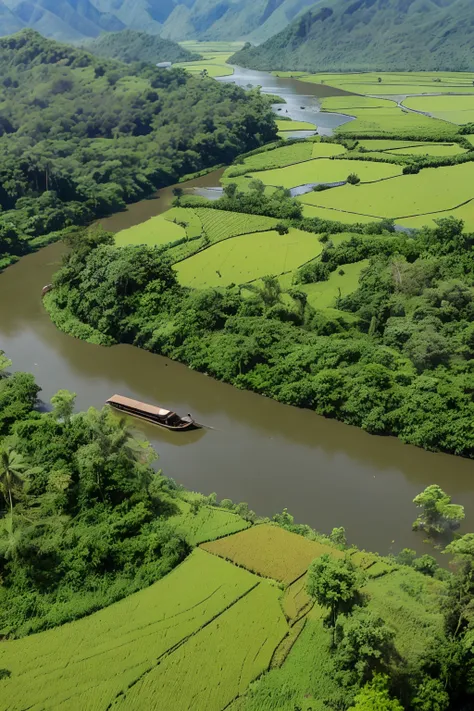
(130, 46)
(82, 136)
(340, 35)
(173, 19)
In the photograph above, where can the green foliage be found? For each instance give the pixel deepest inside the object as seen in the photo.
(364, 647)
(332, 584)
(130, 46)
(375, 696)
(438, 513)
(81, 136)
(84, 523)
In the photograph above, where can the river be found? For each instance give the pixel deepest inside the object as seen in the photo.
(259, 451)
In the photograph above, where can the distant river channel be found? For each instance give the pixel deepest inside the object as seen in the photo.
(270, 455)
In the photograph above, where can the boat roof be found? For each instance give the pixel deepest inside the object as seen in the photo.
(137, 405)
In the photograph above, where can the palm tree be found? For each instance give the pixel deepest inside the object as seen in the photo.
(12, 470)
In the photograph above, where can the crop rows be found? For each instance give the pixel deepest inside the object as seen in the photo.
(221, 224)
(99, 656)
(216, 665)
(270, 551)
(248, 257)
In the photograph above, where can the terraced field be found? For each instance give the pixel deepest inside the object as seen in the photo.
(430, 191)
(207, 524)
(270, 551)
(248, 257)
(86, 664)
(219, 224)
(457, 109)
(218, 663)
(325, 170)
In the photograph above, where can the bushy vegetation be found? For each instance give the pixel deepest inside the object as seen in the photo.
(81, 136)
(400, 367)
(131, 46)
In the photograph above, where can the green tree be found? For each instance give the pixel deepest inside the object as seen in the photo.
(353, 179)
(437, 511)
(375, 696)
(12, 471)
(338, 536)
(331, 582)
(63, 405)
(364, 646)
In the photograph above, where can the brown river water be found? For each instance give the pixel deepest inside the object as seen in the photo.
(270, 455)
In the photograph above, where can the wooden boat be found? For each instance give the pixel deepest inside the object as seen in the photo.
(156, 415)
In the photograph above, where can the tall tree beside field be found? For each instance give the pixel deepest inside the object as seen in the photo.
(12, 473)
(331, 583)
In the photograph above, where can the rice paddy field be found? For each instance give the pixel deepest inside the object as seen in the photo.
(219, 225)
(207, 524)
(270, 551)
(431, 191)
(345, 280)
(218, 663)
(404, 148)
(393, 83)
(382, 117)
(336, 215)
(464, 213)
(456, 109)
(325, 170)
(214, 57)
(156, 231)
(248, 257)
(88, 663)
(295, 126)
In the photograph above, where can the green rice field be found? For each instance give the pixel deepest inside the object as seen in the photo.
(401, 148)
(334, 215)
(214, 57)
(248, 257)
(393, 83)
(218, 663)
(457, 109)
(382, 117)
(185, 216)
(323, 294)
(432, 190)
(295, 126)
(87, 663)
(325, 170)
(270, 551)
(464, 213)
(207, 524)
(219, 224)
(156, 231)
(278, 158)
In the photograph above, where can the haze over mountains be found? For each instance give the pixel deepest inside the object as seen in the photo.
(358, 35)
(173, 19)
(332, 35)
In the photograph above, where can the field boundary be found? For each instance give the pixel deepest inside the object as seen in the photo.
(179, 644)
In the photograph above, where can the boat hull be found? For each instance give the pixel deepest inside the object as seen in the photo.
(183, 426)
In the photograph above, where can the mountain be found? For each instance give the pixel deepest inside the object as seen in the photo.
(132, 46)
(59, 19)
(9, 23)
(173, 19)
(358, 35)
